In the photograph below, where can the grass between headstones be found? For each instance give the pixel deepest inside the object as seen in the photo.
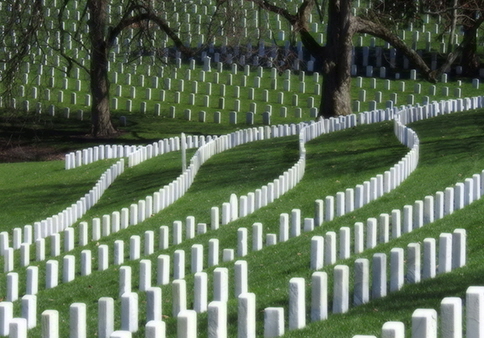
(335, 162)
(252, 165)
(33, 191)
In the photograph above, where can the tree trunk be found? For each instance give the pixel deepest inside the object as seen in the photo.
(453, 25)
(470, 60)
(336, 94)
(335, 56)
(465, 50)
(100, 112)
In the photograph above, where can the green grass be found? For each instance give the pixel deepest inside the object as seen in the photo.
(450, 152)
(380, 94)
(33, 191)
(138, 75)
(335, 162)
(54, 79)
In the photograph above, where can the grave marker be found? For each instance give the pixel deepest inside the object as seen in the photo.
(217, 319)
(77, 321)
(379, 274)
(429, 266)
(397, 269)
(179, 296)
(341, 289)
(246, 321)
(297, 303)
(362, 286)
(424, 323)
(474, 311)
(155, 329)
(50, 324)
(129, 312)
(220, 284)
(451, 317)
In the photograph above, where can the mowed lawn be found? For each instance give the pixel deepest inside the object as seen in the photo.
(450, 152)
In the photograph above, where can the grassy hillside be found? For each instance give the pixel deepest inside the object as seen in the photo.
(450, 152)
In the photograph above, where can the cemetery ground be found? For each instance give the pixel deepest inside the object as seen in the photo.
(451, 150)
(159, 101)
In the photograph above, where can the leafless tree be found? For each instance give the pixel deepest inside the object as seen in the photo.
(336, 54)
(27, 25)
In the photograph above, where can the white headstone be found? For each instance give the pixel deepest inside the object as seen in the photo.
(246, 321)
(451, 317)
(50, 323)
(187, 324)
(105, 317)
(273, 322)
(362, 284)
(424, 323)
(179, 296)
(29, 310)
(379, 274)
(163, 268)
(396, 269)
(220, 284)
(429, 260)
(77, 320)
(341, 289)
(6, 316)
(200, 292)
(217, 319)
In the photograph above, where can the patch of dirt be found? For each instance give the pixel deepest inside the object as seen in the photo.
(49, 149)
(43, 138)
(27, 153)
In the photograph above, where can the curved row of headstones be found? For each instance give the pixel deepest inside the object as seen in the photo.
(135, 154)
(23, 238)
(64, 219)
(246, 204)
(153, 204)
(451, 323)
(451, 254)
(71, 214)
(119, 220)
(69, 261)
(136, 213)
(448, 259)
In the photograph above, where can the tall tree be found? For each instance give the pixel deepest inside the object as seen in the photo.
(336, 55)
(102, 34)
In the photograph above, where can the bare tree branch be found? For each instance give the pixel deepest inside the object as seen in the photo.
(377, 30)
(22, 50)
(452, 56)
(145, 17)
(276, 9)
